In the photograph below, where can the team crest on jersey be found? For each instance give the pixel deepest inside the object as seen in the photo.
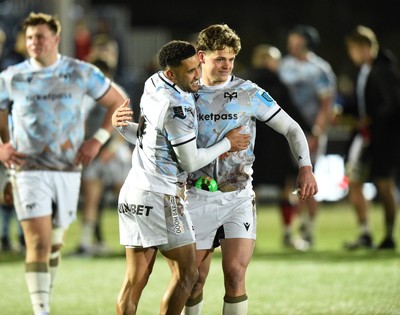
(230, 95)
(179, 112)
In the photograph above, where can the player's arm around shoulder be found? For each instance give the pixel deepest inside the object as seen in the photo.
(122, 121)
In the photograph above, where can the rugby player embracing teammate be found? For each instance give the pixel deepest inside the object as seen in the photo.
(228, 215)
(152, 203)
(224, 102)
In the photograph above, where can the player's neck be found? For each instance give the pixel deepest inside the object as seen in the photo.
(213, 82)
(44, 63)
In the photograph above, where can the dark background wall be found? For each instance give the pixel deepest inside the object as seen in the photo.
(258, 21)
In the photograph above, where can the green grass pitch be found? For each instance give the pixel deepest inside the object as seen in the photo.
(326, 280)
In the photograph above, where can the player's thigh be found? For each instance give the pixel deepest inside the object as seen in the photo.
(181, 259)
(236, 253)
(139, 262)
(38, 230)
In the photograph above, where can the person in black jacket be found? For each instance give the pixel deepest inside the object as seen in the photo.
(375, 151)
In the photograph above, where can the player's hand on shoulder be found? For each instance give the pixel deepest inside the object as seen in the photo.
(239, 140)
(122, 115)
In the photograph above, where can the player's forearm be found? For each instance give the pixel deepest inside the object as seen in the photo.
(129, 132)
(191, 158)
(293, 133)
(324, 117)
(298, 145)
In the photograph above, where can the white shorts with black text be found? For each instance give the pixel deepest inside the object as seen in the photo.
(150, 219)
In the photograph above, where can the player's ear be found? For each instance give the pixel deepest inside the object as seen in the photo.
(201, 55)
(57, 39)
(170, 75)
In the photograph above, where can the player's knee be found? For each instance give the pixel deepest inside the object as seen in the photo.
(57, 239)
(125, 307)
(235, 276)
(189, 278)
(201, 280)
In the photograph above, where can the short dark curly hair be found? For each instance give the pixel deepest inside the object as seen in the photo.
(218, 37)
(172, 53)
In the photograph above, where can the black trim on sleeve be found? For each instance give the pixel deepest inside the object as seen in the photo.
(273, 115)
(152, 81)
(104, 92)
(182, 143)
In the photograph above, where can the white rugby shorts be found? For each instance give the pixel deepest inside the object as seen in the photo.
(150, 219)
(42, 193)
(234, 211)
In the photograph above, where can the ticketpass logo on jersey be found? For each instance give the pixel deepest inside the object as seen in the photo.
(216, 117)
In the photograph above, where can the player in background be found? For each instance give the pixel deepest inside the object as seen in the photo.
(281, 168)
(152, 202)
(104, 174)
(312, 85)
(47, 148)
(375, 151)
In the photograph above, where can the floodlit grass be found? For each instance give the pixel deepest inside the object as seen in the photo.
(327, 280)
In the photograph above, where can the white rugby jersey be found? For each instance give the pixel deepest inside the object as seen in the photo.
(224, 107)
(47, 116)
(308, 81)
(167, 119)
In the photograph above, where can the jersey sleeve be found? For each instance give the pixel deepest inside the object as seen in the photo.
(180, 123)
(97, 83)
(264, 107)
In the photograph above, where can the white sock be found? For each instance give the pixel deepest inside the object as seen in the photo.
(235, 306)
(54, 263)
(87, 234)
(364, 229)
(193, 306)
(193, 309)
(38, 282)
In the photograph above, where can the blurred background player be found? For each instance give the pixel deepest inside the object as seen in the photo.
(312, 85)
(18, 52)
(375, 150)
(271, 146)
(103, 178)
(7, 210)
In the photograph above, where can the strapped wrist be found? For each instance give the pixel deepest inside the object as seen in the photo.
(102, 135)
